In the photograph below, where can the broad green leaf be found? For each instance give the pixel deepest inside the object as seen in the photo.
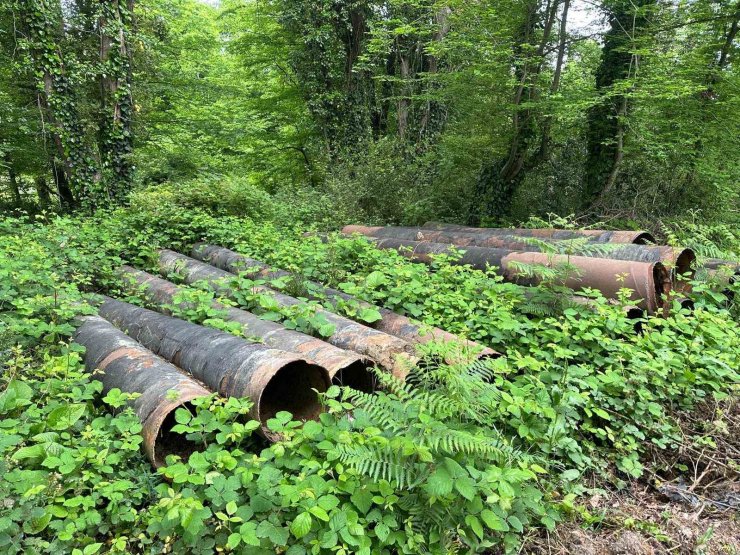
(301, 525)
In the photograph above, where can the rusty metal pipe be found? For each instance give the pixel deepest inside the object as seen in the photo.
(273, 379)
(681, 260)
(390, 322)
(718, 263)
(127, 365)
(389, 352)
(650, 282)
(595, 235)
(345, 367)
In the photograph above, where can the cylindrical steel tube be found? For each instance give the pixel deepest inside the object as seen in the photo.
(596, 235)
(127, 365)
(345, 367)
(272, 378)
(717, 263)
(681, 260)
(648, 281)
(387, 351)
(390, 322)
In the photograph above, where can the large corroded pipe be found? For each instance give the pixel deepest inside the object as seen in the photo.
(273, 379)
(649, 282)
(718, 263)
(123, 363)
(595, 235)
(345, 367)
(387, 351)
(390, 322)
(681, 260)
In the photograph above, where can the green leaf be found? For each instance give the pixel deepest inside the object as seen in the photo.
(493, 521)
(475, 525)
(234, 540)
(92, 548)
(362, 499)
(301, 525)
(17, 394)
(516, 524)
(439, 482)
(375, 279)
(370, 315)
(64, 417)
(466, 487)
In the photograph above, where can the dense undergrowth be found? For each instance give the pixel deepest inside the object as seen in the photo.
(461, 458)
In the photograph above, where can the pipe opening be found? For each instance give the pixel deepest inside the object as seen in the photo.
(291, 389)
(357, 375)
(685, 264)
(661, 281)
(168, 442)
(634, 313)
(686, 304)
(644, 239)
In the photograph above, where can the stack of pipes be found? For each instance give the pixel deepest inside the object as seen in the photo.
(604, 260)
(171, 362)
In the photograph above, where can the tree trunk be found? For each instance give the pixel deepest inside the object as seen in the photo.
(66, 198)
(42, 26)
(500, 179)
(42, 190)
(544, 152)
(116, 143)
(13, 180)
(606, 133)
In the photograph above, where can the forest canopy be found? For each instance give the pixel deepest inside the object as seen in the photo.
(389, 111)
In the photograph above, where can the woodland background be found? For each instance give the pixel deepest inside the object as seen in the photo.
(376, 111)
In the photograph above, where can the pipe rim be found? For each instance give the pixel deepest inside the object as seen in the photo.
(291, 388)
(357, 375)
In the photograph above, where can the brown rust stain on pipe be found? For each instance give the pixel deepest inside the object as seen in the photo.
(345, 367)
(596, 235)
(390, 322)
(273, 379)
(123, 363)
(647, 281)
(389, 352)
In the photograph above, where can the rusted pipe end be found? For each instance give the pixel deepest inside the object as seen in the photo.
(357, 375)
(291, 388)
(639, 237)
(663, 287)
(159, 439)
(685, 263)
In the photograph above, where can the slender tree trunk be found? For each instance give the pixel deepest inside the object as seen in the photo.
(500, 179)
(544, 152)
(116, 142)
(42, 26)
(606, 133)
(66, 198)
(13, 180)
(442, 19)
(42, 190)
(402, 110)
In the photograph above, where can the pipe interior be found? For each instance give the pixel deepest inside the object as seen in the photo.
(357, 375)
(644, 239)
(168, 442)
(661, 280)
(685, 263)
(292, 389)
(633, 313)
